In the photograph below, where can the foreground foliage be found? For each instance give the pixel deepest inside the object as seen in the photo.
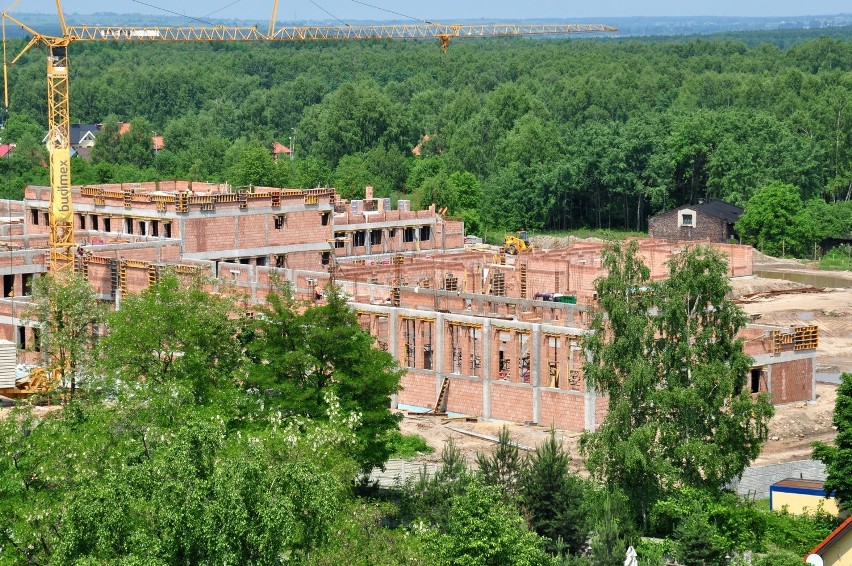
(668, 357)
(838, 458)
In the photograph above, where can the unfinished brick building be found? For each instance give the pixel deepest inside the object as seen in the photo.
(499, 335)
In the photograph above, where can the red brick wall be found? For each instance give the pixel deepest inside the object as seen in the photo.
(792, 381)
(100, 278)
(464, 396)
(511, 403)
(418, 389)
(208, 234)
(563, 410)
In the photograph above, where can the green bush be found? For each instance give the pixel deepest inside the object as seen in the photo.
(778, 558)
(407, 446)
(798, 533)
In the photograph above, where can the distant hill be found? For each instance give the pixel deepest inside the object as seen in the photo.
(628, 26)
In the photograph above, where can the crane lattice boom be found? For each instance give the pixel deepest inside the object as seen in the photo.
(61, 210)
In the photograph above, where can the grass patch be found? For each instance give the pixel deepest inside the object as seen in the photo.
(603, 234)
(407, 446)
(497, 237)
(838, 259)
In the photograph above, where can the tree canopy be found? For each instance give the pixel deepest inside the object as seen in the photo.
(557, 133)
(669, 359)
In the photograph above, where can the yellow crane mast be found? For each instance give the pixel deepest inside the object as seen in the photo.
(61, 210)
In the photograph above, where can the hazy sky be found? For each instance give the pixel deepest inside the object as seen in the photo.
(446, 10)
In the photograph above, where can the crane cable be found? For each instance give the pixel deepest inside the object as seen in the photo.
(395, 13)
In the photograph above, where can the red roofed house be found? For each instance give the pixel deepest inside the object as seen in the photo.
(280, 149)
(6, 149)
(836, 548)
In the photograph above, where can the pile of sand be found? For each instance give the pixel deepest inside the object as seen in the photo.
(761, 259)
(557, 242)
(742, 286)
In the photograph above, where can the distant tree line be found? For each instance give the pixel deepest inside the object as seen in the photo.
(537, 134)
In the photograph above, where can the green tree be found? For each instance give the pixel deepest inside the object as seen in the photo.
(611, 529)
(137, 146)
(253, 166)
(67, 312)
(301, 355)
(553, 497)
(351, 176)
(175, 332)
(838, 458)
(108, 142)
(770, 220)
(669, 359)
(484, 530)
(697, 543)
(504, 466)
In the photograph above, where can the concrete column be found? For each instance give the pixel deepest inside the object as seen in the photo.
(393, 333)
(535, 372)
(590, 397)
(487, 339)
(385, 240)
(368, 241)
(438, 359)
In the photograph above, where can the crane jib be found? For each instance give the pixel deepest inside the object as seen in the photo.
(60, 183)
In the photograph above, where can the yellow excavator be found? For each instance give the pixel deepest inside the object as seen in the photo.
(518, 243)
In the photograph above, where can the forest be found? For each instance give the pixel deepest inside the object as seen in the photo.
(552, 134)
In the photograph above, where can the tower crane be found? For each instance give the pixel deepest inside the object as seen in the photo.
(61, 210)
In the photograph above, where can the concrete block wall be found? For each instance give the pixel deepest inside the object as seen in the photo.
(755, 481)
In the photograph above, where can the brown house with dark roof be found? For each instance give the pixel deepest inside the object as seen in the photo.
(711, 221)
